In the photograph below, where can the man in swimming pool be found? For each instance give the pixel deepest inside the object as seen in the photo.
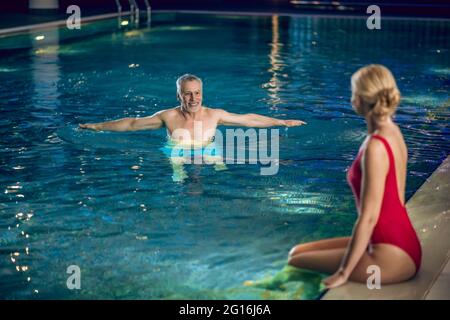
(191, 120)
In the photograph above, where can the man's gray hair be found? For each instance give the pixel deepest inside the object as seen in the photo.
(187, 77)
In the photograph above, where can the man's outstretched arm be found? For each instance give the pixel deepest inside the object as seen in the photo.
(254, 120)
(127, 124)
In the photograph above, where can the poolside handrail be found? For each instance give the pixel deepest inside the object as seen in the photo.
(149, 11)
(136, 11)
(132, 9)
(119, 7)
(119, 13)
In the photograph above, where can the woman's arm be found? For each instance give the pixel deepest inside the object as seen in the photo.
(128, 124)
(375, 165)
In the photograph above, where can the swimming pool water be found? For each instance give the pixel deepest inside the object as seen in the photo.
(106, 201)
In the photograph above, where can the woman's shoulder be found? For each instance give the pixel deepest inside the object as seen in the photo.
(375, 156)
(375, 146)
(393, 140)
(391, 134)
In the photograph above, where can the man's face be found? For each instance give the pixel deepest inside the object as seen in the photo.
(191, 96)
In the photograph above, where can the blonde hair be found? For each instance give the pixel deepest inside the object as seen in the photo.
(378, 92)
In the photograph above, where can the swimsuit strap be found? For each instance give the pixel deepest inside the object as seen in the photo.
(388, 148)
(392, 172)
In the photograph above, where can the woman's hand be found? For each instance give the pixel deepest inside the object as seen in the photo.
(336, 280)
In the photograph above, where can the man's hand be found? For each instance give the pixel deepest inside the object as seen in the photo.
(293, 123)
(90, 126)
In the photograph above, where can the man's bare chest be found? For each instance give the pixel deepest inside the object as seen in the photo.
(192, 129)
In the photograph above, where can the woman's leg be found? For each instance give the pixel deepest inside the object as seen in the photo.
(333, 243)
(324, 260)
(289, 273)
(395, 265)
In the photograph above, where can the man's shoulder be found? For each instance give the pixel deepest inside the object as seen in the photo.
(214, 111)
(170, 112)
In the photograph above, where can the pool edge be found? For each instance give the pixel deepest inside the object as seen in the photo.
(292, 14)
(58, 23)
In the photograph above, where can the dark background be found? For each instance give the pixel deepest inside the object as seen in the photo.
(433, 8)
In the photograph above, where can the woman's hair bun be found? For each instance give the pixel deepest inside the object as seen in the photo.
(378, 92)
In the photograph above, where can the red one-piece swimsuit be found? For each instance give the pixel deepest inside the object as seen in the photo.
(393, 225)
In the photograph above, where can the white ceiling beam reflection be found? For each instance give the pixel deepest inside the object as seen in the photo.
(276, 65)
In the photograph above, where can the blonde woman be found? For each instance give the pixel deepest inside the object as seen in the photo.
(383, 235)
